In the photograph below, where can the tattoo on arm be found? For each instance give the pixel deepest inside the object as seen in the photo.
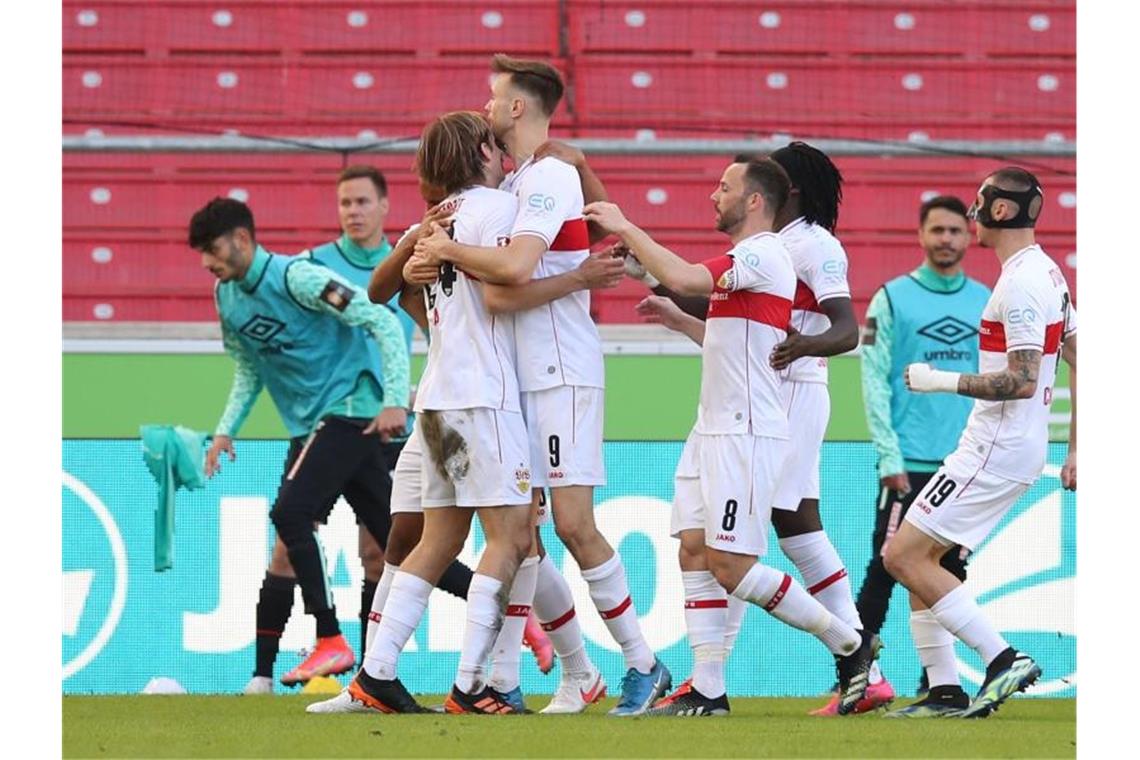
(1018, 381)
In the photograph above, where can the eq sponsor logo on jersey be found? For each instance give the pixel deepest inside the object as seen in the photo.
(1024, 580)
(540, 204)
(726, 537)
(94, 575)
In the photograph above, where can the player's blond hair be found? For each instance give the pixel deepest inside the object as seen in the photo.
(450, 155)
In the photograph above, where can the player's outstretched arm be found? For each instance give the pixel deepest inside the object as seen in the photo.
(674, 272)
(246, 386)
(598, 271)
(510, 265)
(841, 337)
(1018, 381)
(1069, 470)
(694, 306)
(665, 312)
(592, 188)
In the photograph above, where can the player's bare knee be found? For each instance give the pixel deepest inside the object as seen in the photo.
(728, 569)
(898, 561)
(691, 554)
(577, 534)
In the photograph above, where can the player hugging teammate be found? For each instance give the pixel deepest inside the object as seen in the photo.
(512, 403)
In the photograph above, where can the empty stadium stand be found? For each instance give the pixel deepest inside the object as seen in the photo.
(911, 70)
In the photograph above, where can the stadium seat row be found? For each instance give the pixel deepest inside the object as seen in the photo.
(896, 98)
(669, 193)
(840, 28)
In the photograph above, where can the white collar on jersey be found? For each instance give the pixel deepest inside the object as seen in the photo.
(793, 224)
(1018, 255)
(760, 234)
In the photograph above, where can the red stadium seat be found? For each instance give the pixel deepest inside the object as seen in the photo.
(824, 27)
(262, 27)
(277, 95)
(519, 27)
(784, 94)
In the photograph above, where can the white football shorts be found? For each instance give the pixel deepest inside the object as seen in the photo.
(406, 477)
(565, 425)
(808, 406)
(963, 504)
(724, 486)
(486, 460)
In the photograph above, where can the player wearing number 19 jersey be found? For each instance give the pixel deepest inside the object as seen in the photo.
(1026, 326)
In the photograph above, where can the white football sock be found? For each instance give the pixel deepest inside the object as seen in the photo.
(958, 613)
(407, 599)
(706, 607)
(505, 657)
(732, 622)
(484, 619)
(610, 592)
(779, 594)
(823, 572)
(554, 608)
(383, 586)
(935, 647)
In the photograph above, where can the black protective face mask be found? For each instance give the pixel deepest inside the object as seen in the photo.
(1028, 202)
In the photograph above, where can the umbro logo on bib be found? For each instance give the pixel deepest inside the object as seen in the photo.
(262, 328)
(948, 330)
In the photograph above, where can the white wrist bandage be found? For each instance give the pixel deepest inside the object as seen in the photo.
(634, 269)
(922, 378)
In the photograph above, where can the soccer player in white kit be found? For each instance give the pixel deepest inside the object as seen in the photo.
(475, 453)
(728, 474)
(1026, 327)
(561, 375)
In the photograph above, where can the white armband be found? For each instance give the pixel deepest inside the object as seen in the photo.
(922, 378)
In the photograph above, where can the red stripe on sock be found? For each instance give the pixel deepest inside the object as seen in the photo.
(704, 604)
(779, 595)
(518, 610)
(374, 617)
(263, 632)
(838, 575)
(611, 614)
(560, 621)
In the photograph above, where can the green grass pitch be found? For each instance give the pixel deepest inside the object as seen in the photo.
(229, 726)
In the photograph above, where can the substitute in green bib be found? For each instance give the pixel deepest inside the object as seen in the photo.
(929, 315)
(336, 367)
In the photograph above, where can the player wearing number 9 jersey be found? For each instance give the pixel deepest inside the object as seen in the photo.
(1027, 324)
(731, 464)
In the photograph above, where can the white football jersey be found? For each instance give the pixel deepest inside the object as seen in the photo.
(558, 343)
(749, 309)
(1029, 309)
(471, 352)
(821, 273)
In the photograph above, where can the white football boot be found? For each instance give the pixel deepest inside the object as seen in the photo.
(576, 694)
(341, 703)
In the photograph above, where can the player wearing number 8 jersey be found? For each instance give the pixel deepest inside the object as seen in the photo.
(1027, 325)
(728, 473)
